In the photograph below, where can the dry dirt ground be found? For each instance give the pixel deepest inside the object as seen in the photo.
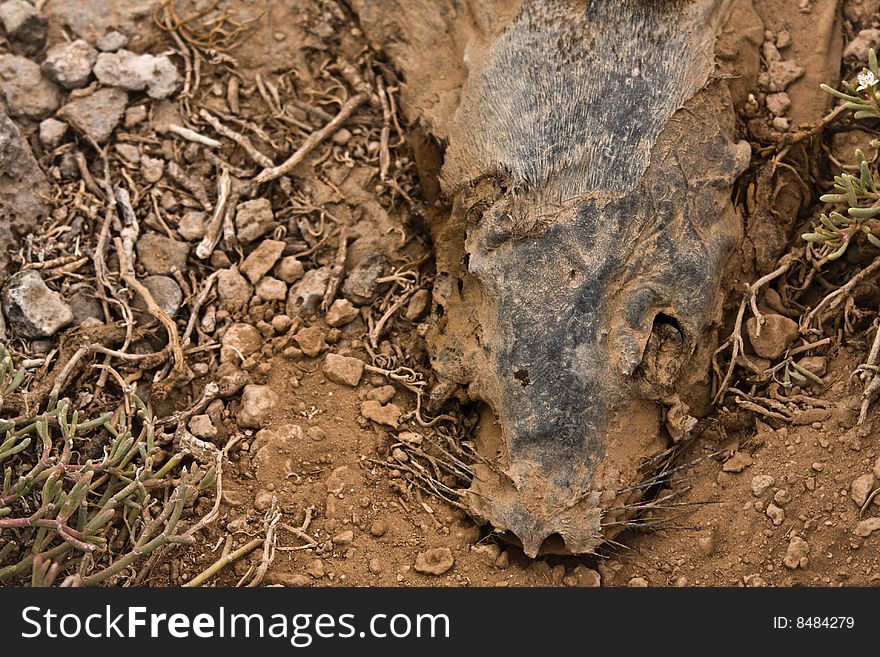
(772, 501)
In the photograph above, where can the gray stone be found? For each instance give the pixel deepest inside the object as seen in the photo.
(32, 309)
(52, 133)
(161, 255)
(261, 259)
(70, 64)
(166, 293)
(361, 286)
(128, 152)
(257, 403)
(233, 289)
(201, 426)
(132, 72)
(85, 305)
(306, 296)
(111, 41)
(24, 25)
(857, 50)
(26, 91)
(253, 219)
(192, 225)
(417, 306)
(783, 74)
(96, 115)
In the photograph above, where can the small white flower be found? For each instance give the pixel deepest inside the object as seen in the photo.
(866, 80)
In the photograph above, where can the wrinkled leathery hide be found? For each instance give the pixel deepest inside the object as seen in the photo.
(589, 163)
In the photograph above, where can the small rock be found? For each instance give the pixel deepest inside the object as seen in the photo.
(783, 73)
(310, 340)
(201, 426)
(638, 582)
(876, 469)
(867, 527)
(737, 463)
(375, 565)
(316, 433)
(111, 41)
(165, 292)
(782, 498)
(817, 365)
(135, 116)
(26, 91)
(707, 543)
(290, 580)
(378, 528)
(263, 501)
(253, 219)
(417, 306)
(777, 334)
(361, 286)
(342, 369)
(809, 416)
(315, 569)
(25, 26)
(343, 538)
(341, 312)
(783, 39)
(192, 225)
(583, 577)
(261, 259)
(161, 255)
(280, 324)
(257, 402)
(342, 137)
(306, 296)
(781, 123)
(32, 309)
(132, 72)
(70, 64)
(97, 114)
(817, 466)
(771, 53)
(128, 152)
(233, 289)
(152, 169)
(271, 289)
(382, 394)
(778, 103)
(239, 342)
(761, 484)
(290, 269)
(388, 415)
(338, 480)
(796, 554)
(52, 133)
(84, 306)
(775, 514)
(857, 49)
(503, 561)
(861, 488)
(435, 561)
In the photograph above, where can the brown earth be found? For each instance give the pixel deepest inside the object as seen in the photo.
(370, 520)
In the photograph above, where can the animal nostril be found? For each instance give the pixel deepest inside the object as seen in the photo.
(523, 377)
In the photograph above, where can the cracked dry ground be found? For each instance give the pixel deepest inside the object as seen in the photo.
(320, 408)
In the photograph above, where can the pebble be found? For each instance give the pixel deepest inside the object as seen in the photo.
(289, 269)
(343, 369)
(382, 394)
(280, 324)
(776, 514)
(257, 403)
(761, 484)
(306, 295)
(778, 103)
(378, 528)
(315, 568)
(341, 312)
(583, 577)
(337, 480)
(503, 561)
(32, 309)
(782, 498)
(27, 92)
(435, 561)
(70, 64)
(777, 334)
(781, 123)
(375, 565)
(192, 225)
(316, 433)
(290, 580)
(135, 116)
(388, 415)
(361, 285)
(24, 25)
(342, 136)
(263, 501)
(817, 365)
(861, 488)
(796, 553)
(239, 342)
(97, 114)
(310, 340)
(201, 426)
(857, 50)
(417, 306)
(817, 466)
(737, 463)
(111, 41)
(253, 219)
(126, 70)
(261, 260)
(161, 255)
(52, 133)
(152, 169)
(165, 292)
(233, 289)
(638, 582)
(783, 73)
(707, 543)
(128, 152)
(343, 538)
(271, 289)
(867, 527)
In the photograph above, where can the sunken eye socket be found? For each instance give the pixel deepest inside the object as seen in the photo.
(665, 351)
